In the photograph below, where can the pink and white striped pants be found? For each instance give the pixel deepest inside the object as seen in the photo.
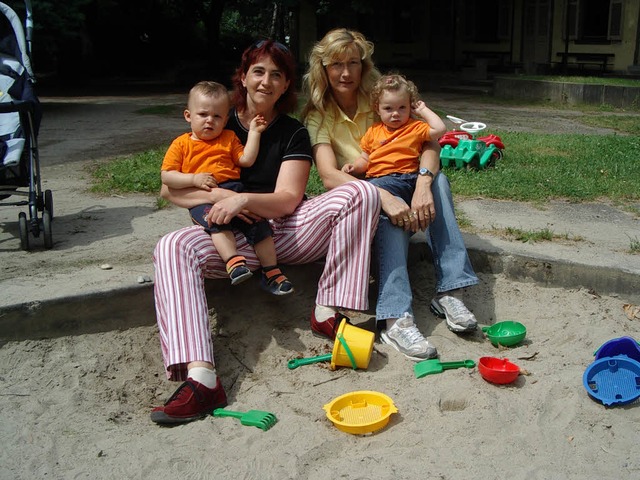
(338, 225)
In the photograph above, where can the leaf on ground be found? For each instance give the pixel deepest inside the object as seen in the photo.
(529, 357)
(631, 311)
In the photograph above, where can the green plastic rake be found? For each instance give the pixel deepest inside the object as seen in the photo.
(252, 418)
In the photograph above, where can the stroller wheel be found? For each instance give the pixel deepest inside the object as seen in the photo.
(46, 229)
(48, 202)
(24, 231)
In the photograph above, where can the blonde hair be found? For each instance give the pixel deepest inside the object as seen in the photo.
(208, 89)
(393, 82)
(334, 47)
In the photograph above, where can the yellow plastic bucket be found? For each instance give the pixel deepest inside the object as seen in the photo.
(352, 347)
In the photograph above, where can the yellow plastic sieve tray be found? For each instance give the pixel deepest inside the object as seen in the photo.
(360, 412)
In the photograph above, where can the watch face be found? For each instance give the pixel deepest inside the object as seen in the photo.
(425, 171)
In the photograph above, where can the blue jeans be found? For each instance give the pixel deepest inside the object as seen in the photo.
(397, 184)
(391, 248)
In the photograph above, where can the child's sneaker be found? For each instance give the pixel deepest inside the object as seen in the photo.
(275, 282)
(237, 269)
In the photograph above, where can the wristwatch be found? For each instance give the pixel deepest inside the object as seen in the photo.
(423, 172)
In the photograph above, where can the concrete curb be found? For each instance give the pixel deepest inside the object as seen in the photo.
(132, 307)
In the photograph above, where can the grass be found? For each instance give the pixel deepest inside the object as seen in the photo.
(626, 82)
(622, 123)
(136, 173)
(634, 245)
(536, 168)
(541, 235)
(539, 167)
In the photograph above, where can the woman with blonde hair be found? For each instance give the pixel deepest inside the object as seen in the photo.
(338, 112)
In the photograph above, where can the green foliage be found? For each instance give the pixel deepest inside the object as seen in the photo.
(249, 18)
(327, 7)
(54, 26)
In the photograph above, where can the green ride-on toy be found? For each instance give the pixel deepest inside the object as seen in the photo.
(461, 149)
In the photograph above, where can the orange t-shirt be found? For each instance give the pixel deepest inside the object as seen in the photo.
(218, 157)
(394, 151)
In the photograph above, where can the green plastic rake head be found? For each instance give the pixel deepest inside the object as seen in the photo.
(252, 418)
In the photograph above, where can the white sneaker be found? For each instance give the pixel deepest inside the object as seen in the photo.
(405, 337)
(459, 318)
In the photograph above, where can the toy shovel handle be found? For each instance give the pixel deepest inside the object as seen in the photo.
(221, 412)
(460, 364)
(296, 362)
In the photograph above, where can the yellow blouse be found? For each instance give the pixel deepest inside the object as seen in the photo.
(338, 130)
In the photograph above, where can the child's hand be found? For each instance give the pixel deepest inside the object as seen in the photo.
(205, 181)
(348, 168)
(258, 124)
(417, 107)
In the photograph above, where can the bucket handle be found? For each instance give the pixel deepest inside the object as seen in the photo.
(348, 350)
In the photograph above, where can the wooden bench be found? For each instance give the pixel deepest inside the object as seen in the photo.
(572, 59)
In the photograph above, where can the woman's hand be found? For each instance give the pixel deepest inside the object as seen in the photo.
(422, 204)
(398, 212)
(224, 210)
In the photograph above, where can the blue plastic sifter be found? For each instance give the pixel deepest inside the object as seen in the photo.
(613, 380)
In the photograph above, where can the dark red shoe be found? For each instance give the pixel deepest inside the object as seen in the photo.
(191, 401)
(327, 328)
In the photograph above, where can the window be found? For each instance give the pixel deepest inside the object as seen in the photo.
(615, 20)
(593, 21)
(487, 21)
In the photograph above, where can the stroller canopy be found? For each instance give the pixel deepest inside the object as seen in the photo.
(15, 45)
(16, 79)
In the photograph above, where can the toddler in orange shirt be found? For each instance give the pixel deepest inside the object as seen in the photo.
(391, 148)
(211, 156)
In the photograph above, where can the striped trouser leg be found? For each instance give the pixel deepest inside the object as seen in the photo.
(338, 225)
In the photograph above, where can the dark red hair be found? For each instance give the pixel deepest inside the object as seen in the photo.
(281, 56)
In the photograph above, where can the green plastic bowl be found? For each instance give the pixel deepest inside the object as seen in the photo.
(507, 333)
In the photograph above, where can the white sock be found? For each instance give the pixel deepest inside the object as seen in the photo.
(324, 313)
(203, 375)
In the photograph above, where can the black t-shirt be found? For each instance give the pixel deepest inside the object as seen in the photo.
(284, 139)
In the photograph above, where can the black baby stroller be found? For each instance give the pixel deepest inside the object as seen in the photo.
(19, 122)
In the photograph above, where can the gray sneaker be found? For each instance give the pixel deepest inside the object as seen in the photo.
(459, 318)
(405, 337)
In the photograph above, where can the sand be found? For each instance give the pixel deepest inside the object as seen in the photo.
(77, 407)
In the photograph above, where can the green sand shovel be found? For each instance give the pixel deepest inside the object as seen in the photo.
(429, 367)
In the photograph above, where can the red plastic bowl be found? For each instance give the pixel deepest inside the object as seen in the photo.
(498, 370)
